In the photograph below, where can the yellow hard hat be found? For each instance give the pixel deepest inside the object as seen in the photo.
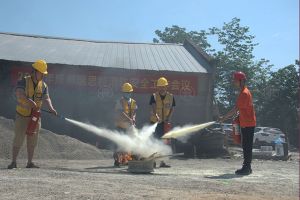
(162, 81)
(41, 66)
(127, 87)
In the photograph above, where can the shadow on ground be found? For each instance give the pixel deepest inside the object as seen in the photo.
(223, 176)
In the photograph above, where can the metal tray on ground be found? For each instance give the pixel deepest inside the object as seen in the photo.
(141, 166)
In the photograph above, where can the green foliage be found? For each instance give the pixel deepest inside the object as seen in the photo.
(176, 34)
(274, 94)
(279, 105)
(236, 55)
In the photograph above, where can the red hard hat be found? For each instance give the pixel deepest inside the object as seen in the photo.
(239, 76)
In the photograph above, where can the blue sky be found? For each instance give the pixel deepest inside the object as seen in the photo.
(275, 23)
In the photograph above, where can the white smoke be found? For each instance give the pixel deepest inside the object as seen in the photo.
(184, 133)
(186, 136)
(137, 141)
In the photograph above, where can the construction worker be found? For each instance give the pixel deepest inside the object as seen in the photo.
(126, 113)
(162, 105)
(31, 91)
(246, 114)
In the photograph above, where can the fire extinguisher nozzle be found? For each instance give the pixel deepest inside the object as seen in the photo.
(59, 116)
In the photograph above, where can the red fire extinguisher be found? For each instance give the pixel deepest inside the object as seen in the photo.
(167, 128)
(236, 131)
(34, 119)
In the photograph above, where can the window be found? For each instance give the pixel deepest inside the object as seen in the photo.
(257, 130)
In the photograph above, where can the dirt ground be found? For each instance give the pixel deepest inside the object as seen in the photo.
(186, 179)
(71, 169)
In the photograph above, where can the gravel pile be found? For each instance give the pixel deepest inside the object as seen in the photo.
(50, 145)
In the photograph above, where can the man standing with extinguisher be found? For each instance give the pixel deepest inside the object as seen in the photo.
(163, 104)
(245, 109)
(126, 109)
(31, 91)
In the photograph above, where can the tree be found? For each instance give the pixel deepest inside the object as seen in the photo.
(236, 54)
(279, 106)
(275, 94)
(176, 34)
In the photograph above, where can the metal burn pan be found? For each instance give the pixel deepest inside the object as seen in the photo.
(141, 166)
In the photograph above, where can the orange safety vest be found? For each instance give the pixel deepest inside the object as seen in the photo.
(36, 94)
(128, 108)
(163, 107)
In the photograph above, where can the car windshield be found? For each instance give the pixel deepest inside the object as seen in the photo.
(257, 129)
(273, 130)
(216, 125)
(276, 132)
(227, 126)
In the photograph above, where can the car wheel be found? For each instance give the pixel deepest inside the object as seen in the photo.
(257, 143)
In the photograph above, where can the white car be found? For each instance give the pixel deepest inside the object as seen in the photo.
(224, 127)
(227, 127)
(267, 135)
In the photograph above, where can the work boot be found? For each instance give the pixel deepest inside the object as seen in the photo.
(163, 164)
(12, 165)
(245, 170)
(31, 165)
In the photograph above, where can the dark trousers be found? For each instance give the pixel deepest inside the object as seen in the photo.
(159, 130)
(247, 143)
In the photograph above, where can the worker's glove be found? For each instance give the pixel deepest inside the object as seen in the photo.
(132, 122)
(158, 119)
(52, 110)
(33, 104)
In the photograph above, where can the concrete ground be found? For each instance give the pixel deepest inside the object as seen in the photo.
(186, 179)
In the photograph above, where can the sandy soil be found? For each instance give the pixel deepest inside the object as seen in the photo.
(186, 179)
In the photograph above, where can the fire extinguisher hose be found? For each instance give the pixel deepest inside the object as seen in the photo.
(59, 116)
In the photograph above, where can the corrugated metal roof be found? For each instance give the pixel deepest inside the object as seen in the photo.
(142, 56)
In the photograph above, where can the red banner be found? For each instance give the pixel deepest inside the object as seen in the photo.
(99, 80)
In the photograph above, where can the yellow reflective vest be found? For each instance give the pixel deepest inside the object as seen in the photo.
(36, 94)
(163, 107)
(129, 109)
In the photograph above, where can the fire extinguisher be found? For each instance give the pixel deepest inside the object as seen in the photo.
(167, 128)
(236, 131)
(34, 119)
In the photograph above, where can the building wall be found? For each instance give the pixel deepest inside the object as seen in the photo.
(94, 102)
